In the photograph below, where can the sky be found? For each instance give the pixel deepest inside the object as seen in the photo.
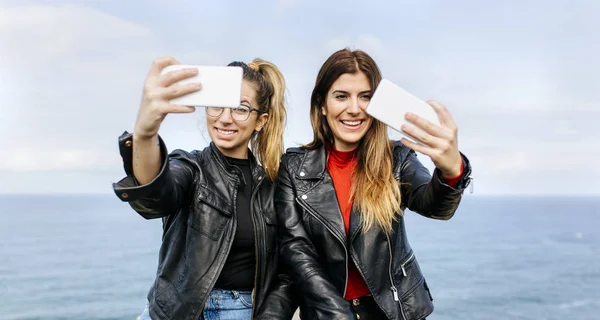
(521, 79)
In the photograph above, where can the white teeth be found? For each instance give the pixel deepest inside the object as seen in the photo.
(352, 123)
(226, 132)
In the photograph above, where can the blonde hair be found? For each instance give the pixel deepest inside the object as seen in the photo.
(267, 144)
(254, 66)
(375, 191)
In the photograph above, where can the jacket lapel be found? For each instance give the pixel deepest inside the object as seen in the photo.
(320, 196)
(355, 223)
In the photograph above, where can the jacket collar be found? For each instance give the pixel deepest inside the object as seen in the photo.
(233, 171)
(313, 164)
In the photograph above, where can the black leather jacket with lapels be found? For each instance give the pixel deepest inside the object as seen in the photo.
(313, 240)
(194, 194)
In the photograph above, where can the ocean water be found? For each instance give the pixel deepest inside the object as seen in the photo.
(92, 257)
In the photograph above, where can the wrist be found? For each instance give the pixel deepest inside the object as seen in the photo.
(141, 136)
(454, 173)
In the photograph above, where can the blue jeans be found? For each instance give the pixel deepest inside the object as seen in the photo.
(222, 305)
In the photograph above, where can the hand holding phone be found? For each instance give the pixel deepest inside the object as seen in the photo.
(428, 128)
(158, 90)
(390, 103)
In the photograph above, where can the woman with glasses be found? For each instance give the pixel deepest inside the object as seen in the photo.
(218, 258)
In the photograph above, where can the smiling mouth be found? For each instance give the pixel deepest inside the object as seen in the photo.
(225, 132)
(352, 123)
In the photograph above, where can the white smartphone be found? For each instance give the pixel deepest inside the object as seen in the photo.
(221, 86)
(390, 103)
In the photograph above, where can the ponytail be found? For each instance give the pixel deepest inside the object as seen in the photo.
(267, 144)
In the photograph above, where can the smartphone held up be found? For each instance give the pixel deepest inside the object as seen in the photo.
(221, 86)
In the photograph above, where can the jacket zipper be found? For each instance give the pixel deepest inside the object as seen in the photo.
(410, 258)
(393, 287)
(312, 213)
(222, 264)
(260, 180)
(363, 276)
(471, 185)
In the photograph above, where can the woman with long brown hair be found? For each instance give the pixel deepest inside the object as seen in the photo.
(340, 199)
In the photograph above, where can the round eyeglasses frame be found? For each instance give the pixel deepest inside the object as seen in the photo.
(239, 113)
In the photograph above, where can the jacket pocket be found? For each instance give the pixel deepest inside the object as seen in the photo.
(270, 230)
(408, 274)
(417, 302)
(210, 214)
(414, 294)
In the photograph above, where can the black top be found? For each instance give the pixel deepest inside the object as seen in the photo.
(239, 268)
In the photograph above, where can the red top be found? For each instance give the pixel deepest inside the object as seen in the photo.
(340, 166)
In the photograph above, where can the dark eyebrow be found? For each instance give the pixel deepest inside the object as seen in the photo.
(344, 92)
(246, 102)
(339, 91)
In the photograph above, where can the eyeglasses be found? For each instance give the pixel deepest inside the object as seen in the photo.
(240, 113)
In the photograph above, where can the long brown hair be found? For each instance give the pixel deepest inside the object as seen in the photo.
(375, 191)
(267, 144)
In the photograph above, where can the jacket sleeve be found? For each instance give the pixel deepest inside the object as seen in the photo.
(429, 196)
(167, 192)
(298, 252)
(282, 300)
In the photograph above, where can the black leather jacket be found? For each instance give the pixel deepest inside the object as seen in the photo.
(194, 194)
(313, 239)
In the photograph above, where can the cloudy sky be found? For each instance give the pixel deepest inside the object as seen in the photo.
(520, 77)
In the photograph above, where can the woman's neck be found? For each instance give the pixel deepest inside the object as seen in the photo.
(341, 158)
(237, 153)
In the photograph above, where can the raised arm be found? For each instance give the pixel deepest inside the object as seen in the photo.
(432, 196)
(155, 183)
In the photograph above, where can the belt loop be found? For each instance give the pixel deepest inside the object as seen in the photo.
(236, 295)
